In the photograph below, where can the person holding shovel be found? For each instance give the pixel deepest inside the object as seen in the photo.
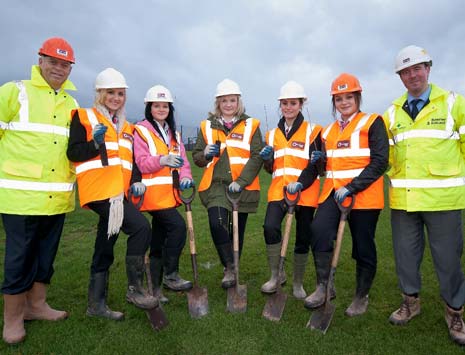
(287, 157)
(100, 145)
(161, 158)
(37, 184)
(228, 147)
(357, 151)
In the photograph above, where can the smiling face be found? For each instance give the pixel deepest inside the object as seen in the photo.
(415, 78)
(346, 104)
(160, 111)
(114, 99)
(228, 105)
(55, 71)
(290, 108)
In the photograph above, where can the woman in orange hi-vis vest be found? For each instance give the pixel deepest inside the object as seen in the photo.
(357, 151)
(228, 147)
(100, 145)
(161, 158)
(287, 157)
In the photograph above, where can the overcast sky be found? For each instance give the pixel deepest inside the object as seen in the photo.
(190, 46)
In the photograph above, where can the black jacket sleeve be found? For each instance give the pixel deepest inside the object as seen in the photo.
(310, 173)
(379, 157)
(79, 149)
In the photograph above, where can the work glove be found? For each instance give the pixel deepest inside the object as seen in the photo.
(234, 187)
(317, 155)
(267, 152)
(341, 193)
(172, 160)
(211, 150)
(294, 187)
(98, 133)
(137, 189)
(186, 183)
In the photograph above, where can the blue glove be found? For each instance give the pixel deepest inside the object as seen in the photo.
(267, 152)
(172, 160)
(186, 183)
(317, 155)
(137, 189)
(98, 133)
(294, 187)
(341, 193)
(211, 150)
(234, 187)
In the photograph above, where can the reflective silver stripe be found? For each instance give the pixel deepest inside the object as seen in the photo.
(95, 164)
(341, 153)
(126, 164)
(462, 130)
(450, 105)
(355, 136)
(38, 127)
(151, 144)
(286, 171)
(248, 129)
(160, 180)
(327, 130)
(391, 141)
(92, 118)
(125, 144)
(209, 132)
(3, 125)
(392, 116)
(238, 160)
(112, 146)
(238, 144)
(343, 174)
(36, 186)
(425, 183)
(23, 102)
(292, 152)
(426, 133)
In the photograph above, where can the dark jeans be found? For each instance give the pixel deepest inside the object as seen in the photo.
(220, 220)
(31, 247)
(135, 225)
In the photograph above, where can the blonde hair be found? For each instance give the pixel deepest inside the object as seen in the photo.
(240, 107)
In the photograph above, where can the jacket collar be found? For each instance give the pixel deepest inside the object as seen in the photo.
(38, 80)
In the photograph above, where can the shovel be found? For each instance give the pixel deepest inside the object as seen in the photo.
(237, 296)
(321, 318)
(197, 297)
(274, 307)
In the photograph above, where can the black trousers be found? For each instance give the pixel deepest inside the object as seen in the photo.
(168, 233)
(135, 225)
(30, 250)
(220, 220)
(362, 224)
(275, 213)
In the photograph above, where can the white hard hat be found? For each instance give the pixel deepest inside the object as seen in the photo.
(158, 93)
(292, 90)
(110, 79)
(227, 87)
(411, 55)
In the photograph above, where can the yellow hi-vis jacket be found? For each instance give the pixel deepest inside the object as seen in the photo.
(290, 158)
(36, 177)
(159, 194)
(236, 143)
(427, 155)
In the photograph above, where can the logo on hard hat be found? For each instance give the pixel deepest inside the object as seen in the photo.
(62, 52)
(161, 94)
(406, 60)
(342, 87)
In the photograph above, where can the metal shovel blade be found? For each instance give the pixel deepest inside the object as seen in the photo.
(197, 299)
(321, 318)
(237, 299)
(157, 318)
(274, 307)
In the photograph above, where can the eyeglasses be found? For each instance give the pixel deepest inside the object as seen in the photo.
(57, 62)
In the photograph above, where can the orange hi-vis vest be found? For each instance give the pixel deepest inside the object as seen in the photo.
(290, 158)
(159, 194)
(236, 143)
(348, 153)
(97, 182)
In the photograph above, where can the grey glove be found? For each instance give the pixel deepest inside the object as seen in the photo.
(294, 187)
(186, 183)
(172, 160)
(234, 187)
(211, 150)
(98, 133)
(137, 189)
(341, 193)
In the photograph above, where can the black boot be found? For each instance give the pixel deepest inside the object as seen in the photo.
(156, 273)
(136, 293)
(97, 295)
(227, 259)
(364, 279)
(172, 280)
(322, 266)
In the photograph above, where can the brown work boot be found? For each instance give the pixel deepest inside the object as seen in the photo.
(13, 318)
(36, 306)
(409, 308)
(455, 324)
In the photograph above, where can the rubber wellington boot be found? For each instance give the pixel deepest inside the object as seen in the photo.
(300, 262)
(273, 252)
(364, 279)
(136, 294)
(156, 273)
(97, 295)
(13, 318)
(172, 280)
(38, 308)
(227, 259)
(322, 265)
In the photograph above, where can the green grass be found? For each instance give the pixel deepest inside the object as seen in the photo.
(221, 332)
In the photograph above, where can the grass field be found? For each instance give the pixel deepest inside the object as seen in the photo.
(221, 332)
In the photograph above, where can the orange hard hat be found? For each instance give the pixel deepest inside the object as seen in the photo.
(345, 83)
(57, 47)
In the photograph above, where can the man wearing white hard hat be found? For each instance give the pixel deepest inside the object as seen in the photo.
(426, 128)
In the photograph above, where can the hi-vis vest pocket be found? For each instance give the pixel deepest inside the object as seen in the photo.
(443, 169)
(24, 169)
